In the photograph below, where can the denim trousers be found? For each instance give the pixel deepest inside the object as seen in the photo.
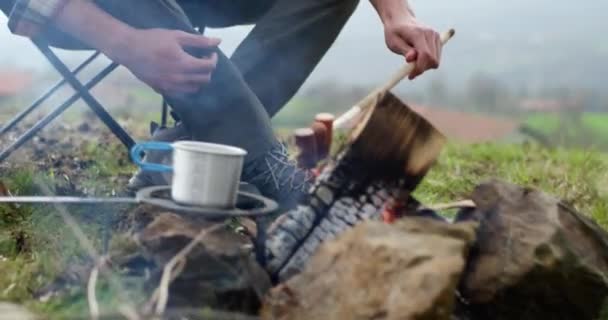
(287, 41)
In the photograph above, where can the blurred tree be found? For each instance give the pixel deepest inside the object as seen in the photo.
(438, 92)
(483, 90)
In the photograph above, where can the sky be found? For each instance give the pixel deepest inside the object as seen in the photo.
(363, 30)
(531, 42)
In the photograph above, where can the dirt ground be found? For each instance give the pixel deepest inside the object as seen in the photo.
(83, 157)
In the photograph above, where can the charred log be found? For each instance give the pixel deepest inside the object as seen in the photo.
(385, 157)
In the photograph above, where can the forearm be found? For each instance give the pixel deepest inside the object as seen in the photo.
(86, 22)
(389, 10)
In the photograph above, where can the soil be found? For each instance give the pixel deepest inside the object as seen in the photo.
(84, 158)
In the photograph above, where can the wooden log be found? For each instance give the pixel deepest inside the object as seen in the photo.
(306, 142)
(327, 120)
(385, 156)
(322, 137)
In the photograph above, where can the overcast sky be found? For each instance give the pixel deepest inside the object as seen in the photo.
(362, 38)
(512, 39)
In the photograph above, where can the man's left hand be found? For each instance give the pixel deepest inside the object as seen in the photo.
(416, 42)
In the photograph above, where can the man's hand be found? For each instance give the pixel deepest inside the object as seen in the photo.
(157, 57)
(406, 36)
(416, 43)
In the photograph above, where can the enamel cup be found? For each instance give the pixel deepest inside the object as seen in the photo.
(204, 174)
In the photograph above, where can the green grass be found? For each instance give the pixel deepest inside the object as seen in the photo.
(300, 112)
(50, 249)
(578, 177)
(545, 123)
(590, 131)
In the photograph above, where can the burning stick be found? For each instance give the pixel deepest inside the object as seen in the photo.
(386, 155)
(351, 117)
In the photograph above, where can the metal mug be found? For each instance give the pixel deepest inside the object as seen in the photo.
(204, 174)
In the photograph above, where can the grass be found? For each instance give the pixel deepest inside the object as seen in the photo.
(49, 249)
(579, 177)
(301, 111)
(590, 130)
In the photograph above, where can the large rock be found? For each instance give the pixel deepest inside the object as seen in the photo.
(408, 270)
(220, 273)
(535, 258)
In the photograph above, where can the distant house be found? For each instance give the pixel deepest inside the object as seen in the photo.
(574, 103)
(13, 83)
(469, 127)
(541, 105)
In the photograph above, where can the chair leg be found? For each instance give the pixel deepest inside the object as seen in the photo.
(29, 134)
(13, 122)
(105, 117)
(163, 116)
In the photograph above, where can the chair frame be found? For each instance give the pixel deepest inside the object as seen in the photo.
(82, 91)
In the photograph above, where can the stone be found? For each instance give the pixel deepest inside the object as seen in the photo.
(407, 270)
(220, 273)
(535, 257)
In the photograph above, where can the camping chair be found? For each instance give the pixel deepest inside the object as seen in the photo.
(82, 92)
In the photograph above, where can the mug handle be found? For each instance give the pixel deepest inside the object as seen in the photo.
(138, 149)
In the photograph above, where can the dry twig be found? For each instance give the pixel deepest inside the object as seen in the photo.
(453, 205)
(92, 285)
(90, 249)
(173, 268)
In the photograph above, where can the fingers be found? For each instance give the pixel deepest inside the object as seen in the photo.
(196, 40)
(411, 56)
(191, 64)
(428, 46)
(186, 83)
(178, 89)
(193, 73)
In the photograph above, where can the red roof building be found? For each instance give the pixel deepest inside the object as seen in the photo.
(13, 82)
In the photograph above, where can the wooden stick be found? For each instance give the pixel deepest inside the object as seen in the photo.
(91, 297)
(162, 292)
(453, 205)
(321, 136)
(349, 117)
(327, 119)
(306, 142)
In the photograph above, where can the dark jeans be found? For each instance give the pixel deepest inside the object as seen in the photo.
(264, 73)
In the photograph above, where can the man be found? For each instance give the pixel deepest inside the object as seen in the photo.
(220, 99)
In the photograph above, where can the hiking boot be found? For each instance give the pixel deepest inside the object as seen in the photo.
(278, 177)
(142, 179)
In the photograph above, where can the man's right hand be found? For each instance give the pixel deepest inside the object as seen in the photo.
(158, 58)
(155, 56)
